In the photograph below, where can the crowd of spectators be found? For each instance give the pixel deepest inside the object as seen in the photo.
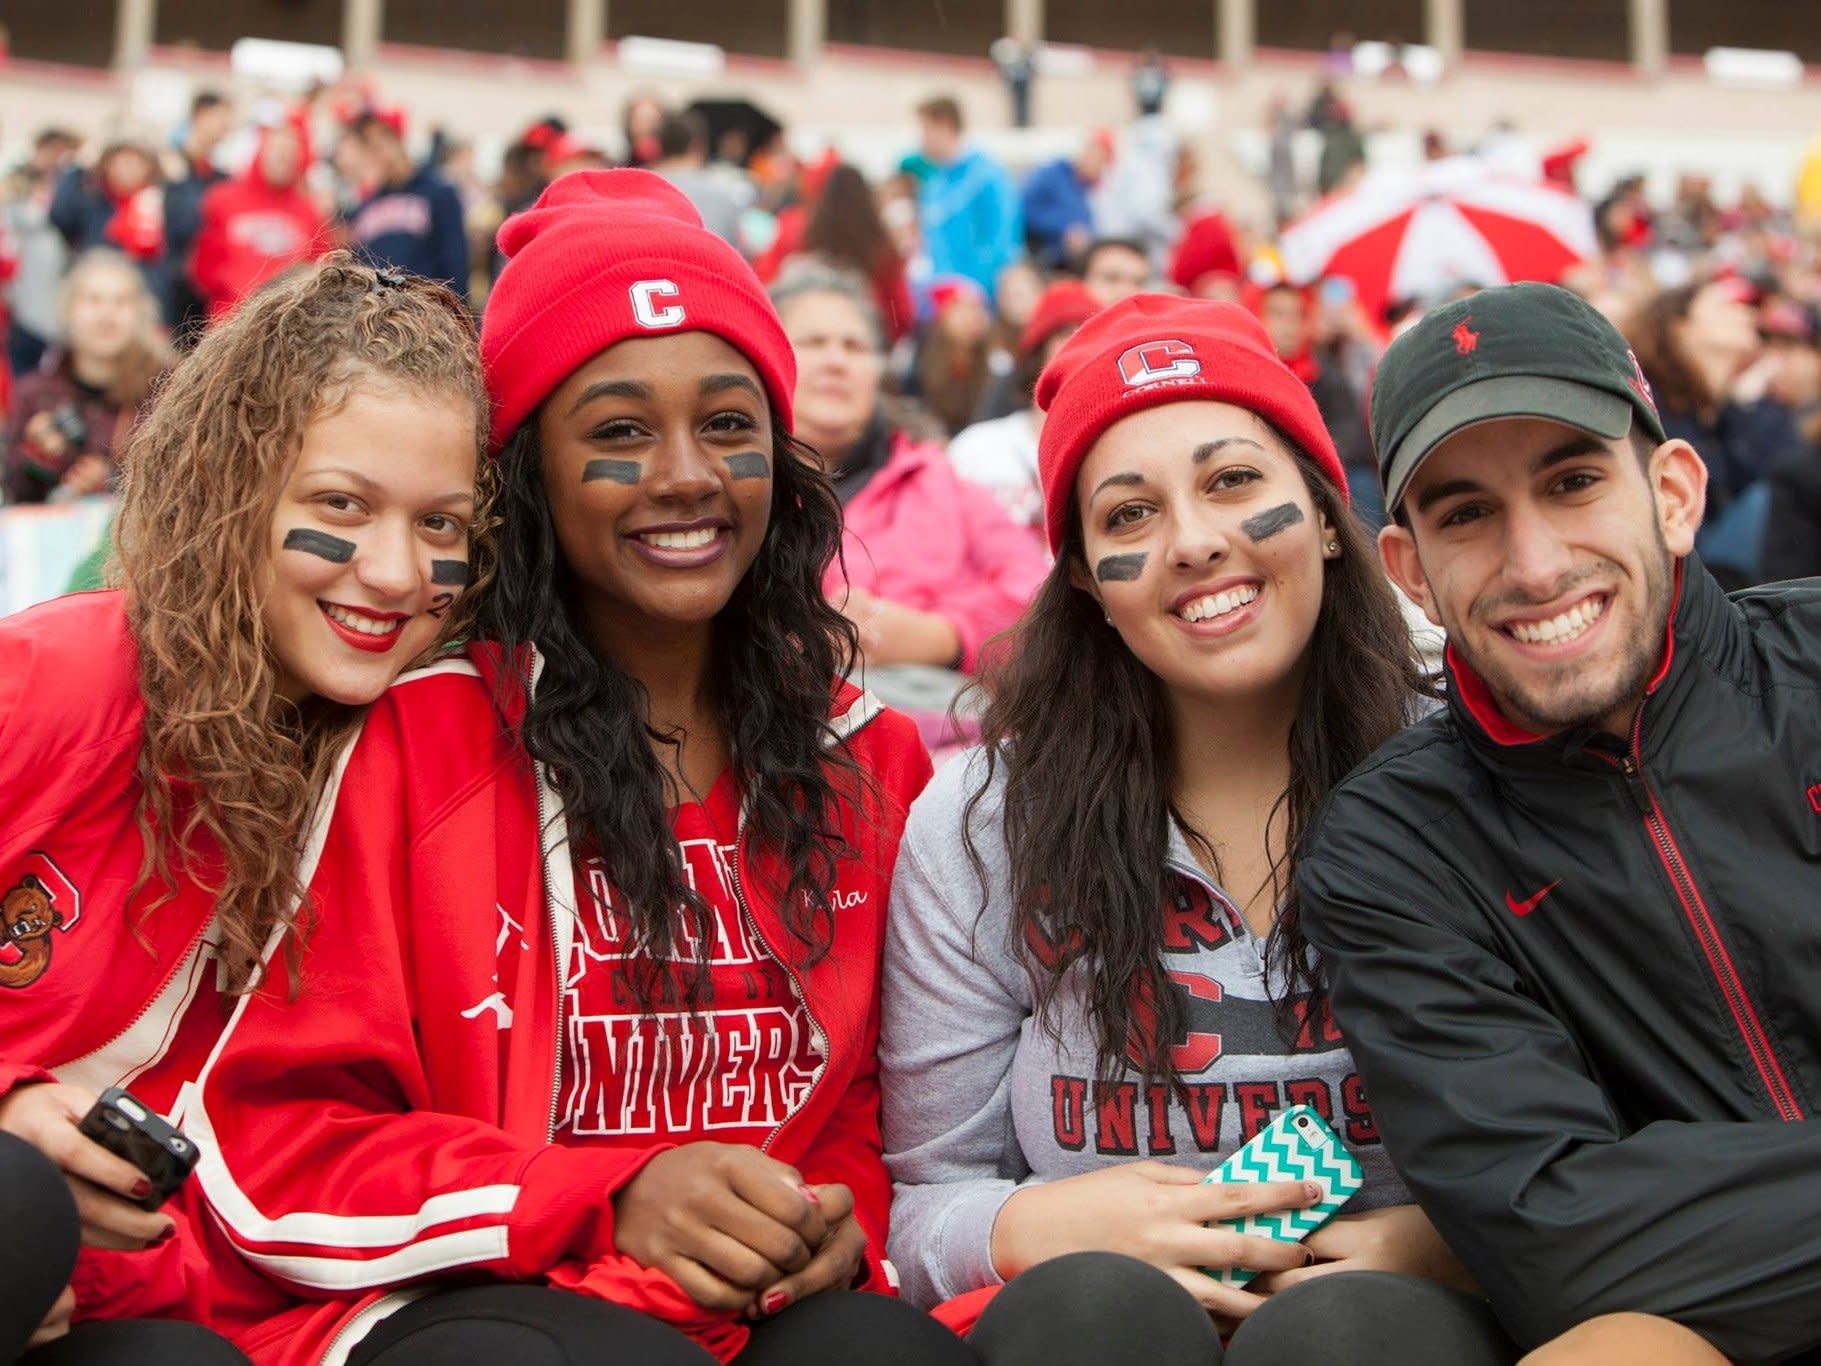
(923, 303)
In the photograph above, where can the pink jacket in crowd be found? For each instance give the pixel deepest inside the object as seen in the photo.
(921, 536)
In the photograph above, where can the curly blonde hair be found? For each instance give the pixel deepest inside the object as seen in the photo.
(224, 756)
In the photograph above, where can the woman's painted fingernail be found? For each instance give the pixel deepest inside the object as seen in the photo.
(1313, 1189)
(141, 1188)
(809, 1194)
(1308, 1257)
(773, 1302)
(170, 1232)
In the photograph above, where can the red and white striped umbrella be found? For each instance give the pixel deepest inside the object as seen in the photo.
(1406, 233)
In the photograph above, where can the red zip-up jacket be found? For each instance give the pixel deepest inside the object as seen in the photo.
(97, 987)
(394, 1121)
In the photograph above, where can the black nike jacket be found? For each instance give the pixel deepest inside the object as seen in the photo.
(1581, 978)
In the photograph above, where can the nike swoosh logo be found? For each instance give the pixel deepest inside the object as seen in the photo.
(1529, 903)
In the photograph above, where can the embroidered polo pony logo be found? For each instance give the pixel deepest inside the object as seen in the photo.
(1466, 340)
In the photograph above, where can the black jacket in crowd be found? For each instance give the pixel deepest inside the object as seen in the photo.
(1581, 978)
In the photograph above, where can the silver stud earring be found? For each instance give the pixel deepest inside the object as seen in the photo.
(1334, 547)
(1108, 615)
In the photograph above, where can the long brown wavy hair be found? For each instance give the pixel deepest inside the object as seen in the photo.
(1651, 331)
(224, 756)
(1083, 732)
(845, 226)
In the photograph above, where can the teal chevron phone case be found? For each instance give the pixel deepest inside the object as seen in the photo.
(1296, 1146)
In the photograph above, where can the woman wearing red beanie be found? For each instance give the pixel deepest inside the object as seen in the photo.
(601, 1041)
(1093, 955)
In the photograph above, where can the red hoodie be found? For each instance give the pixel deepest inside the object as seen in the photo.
(251, 231)
(394, 1121)
(98, 989)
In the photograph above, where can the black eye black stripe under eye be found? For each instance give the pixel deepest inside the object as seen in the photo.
(319, 543)
(1271, 521)
(449, 572)
(613, 471)
(749, 465)
(1120, 568)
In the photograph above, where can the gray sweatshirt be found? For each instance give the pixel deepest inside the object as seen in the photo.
(978, 1096)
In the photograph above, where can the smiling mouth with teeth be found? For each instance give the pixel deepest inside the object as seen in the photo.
(1561, 628)
(356, 621)
(1218, 604)
(680, 540)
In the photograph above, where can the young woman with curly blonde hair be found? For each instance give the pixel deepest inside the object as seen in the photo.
(298, 524)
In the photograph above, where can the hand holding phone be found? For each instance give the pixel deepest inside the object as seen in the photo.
(107, 1189)
(1157, 1213)
(1296, 1146)
(131, 1129)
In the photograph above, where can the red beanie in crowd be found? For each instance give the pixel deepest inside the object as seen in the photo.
(1156, 348)
(1206, 247)
(607, 255)
(1067, 303)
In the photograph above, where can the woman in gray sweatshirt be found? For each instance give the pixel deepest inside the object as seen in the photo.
(1094, 987)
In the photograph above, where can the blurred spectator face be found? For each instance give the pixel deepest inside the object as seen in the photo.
(458, 165)
(280, 158)
(1788, 331)
(1796, 382)
(1286, 320)
(1223, 285)
(52, 152)
(1114, 271)
(964, 319)
(838, 368)
(1720, 326)
(1753, 206)
(104, 310)
(1016, 294)
(351, 161)
(385, 153)
(1055, 342)
(210, 125)
(126, 171)
(898, 211)
(1091, 161)
(644, 116)
(941, 140)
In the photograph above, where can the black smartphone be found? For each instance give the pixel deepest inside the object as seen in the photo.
(127, 1127)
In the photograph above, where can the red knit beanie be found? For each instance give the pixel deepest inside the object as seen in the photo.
(1067, 303)
(607, 255)
(1155, 348)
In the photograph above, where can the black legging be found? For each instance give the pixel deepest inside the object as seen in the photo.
(1091, 1308)
(37, 1255)
(1357, 1317)
(1095, 1308)
(531, 1325)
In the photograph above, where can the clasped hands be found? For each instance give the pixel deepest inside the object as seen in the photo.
(737, 1230)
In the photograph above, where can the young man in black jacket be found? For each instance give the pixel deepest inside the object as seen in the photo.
(1572, 922)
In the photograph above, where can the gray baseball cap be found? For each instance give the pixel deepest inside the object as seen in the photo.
(1528, 350)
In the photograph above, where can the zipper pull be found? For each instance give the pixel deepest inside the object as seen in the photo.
(1634, 785)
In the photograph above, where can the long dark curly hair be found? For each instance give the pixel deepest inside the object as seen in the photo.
(1083, 732)
(779, 648)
